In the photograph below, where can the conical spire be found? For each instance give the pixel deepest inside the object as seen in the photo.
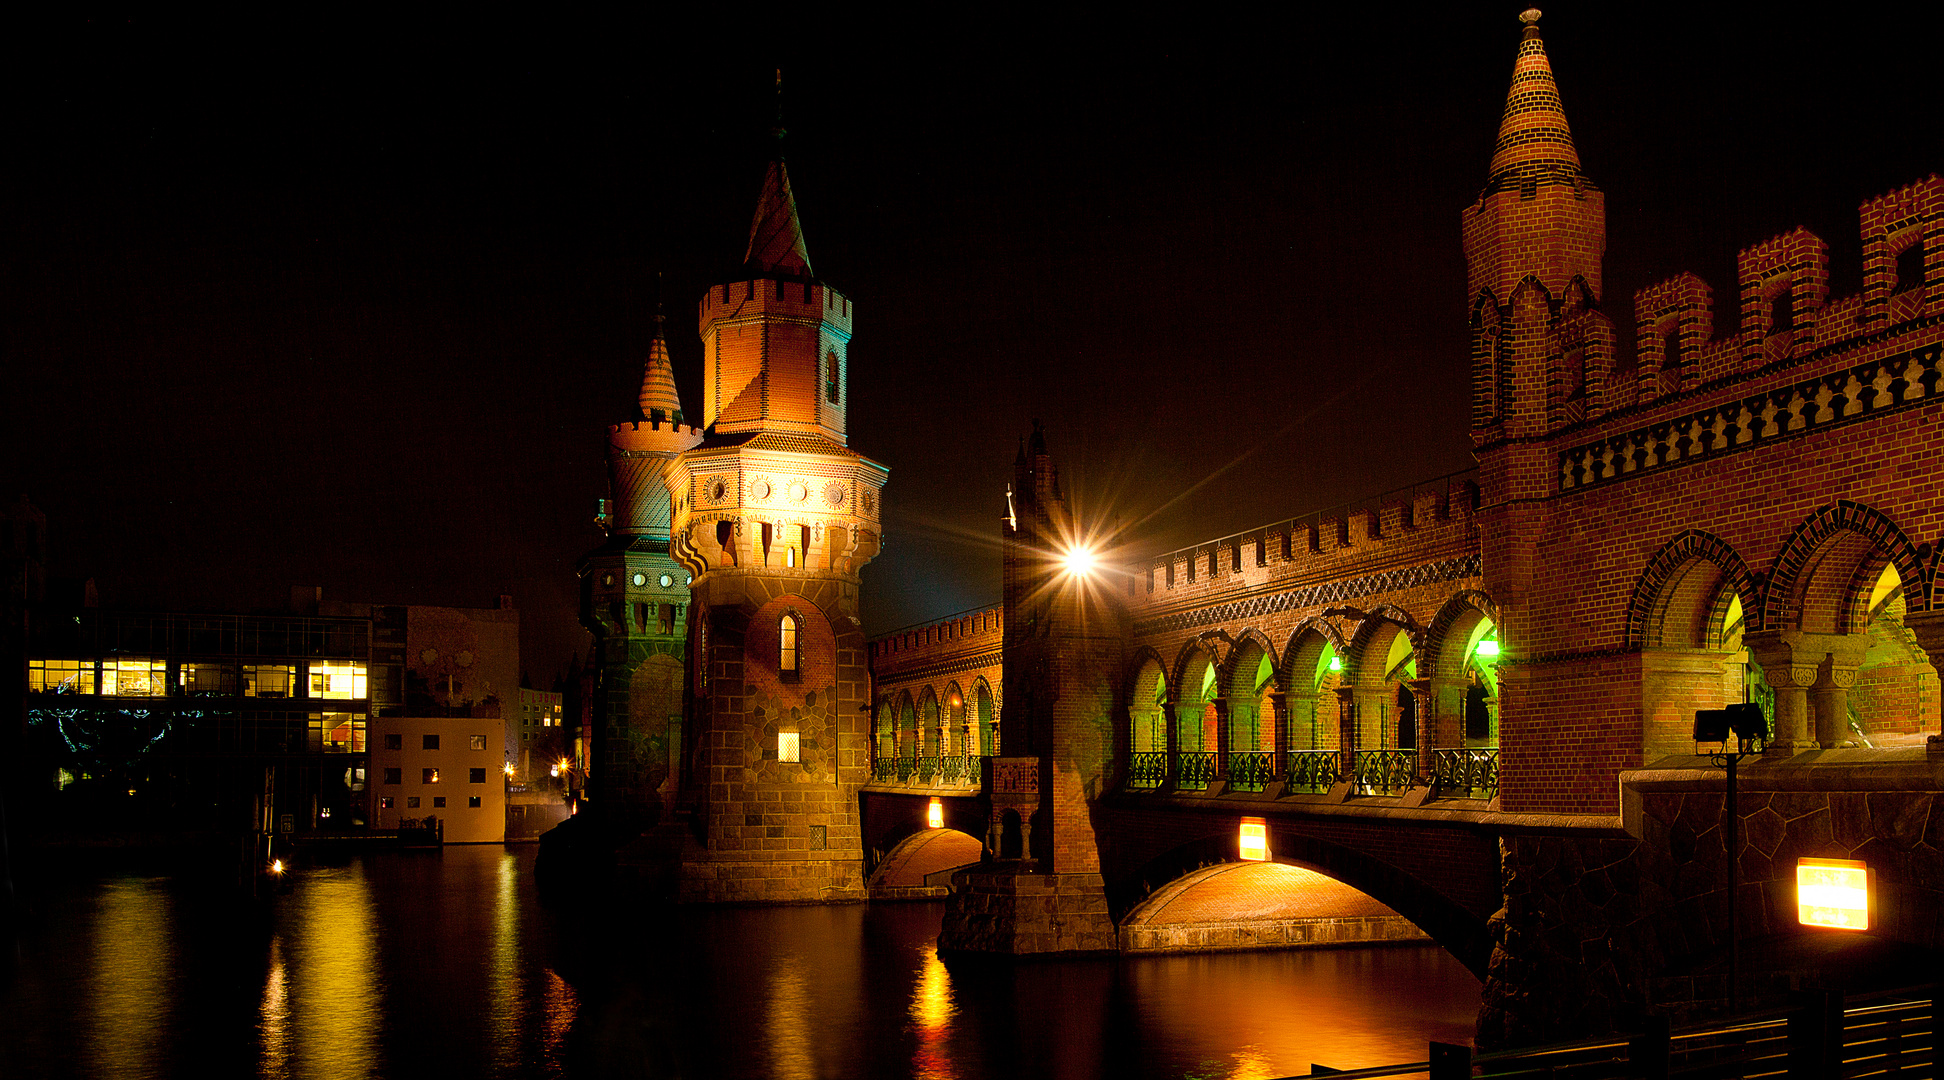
(1534, 140)
(776, 236)
(658, 400)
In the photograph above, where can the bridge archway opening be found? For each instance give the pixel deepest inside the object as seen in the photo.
(1012, 843)
(1252, 733)
(985, 719)
(1894, 700)
(1314, 671)
(1276, 904)
(1438, 916)
(907, 727)
(1197, 723)
(957, 736)
(1147, 716)
(885, 739)
(1386, 687)
(931, 729)
(921, 864)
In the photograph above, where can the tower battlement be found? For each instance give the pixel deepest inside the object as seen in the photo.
(654, 435)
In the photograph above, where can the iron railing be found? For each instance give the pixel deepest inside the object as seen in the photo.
(1197, 771)
(906, 767)
(884, 769)
(1313, 771)
(960, 769)
(1250, 770)
(1466, 774)
(927, 768)
(1384, 772)
(1147, 769)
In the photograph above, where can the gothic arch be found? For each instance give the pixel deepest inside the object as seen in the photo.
(931, 720)
(1373, 627)
(1486, 317)
(1204, 645)
(1661, 584)
(1303, 654)
(1815, 581)
(1455, 615)
(1933, 585)
(1232, 674)
(1138, 666)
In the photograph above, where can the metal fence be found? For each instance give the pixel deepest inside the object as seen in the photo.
(1250, 770)
(1384, 772)
(1313, 771)
(1147, 769)
(1197, 771)
(1466, 774)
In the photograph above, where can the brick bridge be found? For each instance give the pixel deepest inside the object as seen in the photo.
(1472, 700)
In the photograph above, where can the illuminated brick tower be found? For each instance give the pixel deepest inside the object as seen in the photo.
(774, 516)
(1533, 245)
(634, 598)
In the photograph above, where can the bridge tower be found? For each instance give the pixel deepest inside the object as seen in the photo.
(1061, 649)
(774, 516)
(1534, 240)
(634, 599)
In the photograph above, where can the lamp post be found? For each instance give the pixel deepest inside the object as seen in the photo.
(1750, 729)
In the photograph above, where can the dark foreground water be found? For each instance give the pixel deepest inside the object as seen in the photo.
(445, 964)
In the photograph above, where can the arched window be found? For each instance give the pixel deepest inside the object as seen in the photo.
(830, 377)
(788, 655)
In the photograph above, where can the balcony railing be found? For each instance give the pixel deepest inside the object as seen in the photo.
(1147, 769)
(1384, 772)
(928, 767)
(884, 769)
(960, 769)
(1250, 770)
(1313, 771)
(956, 770)
(1197, 771)
(1466, 774)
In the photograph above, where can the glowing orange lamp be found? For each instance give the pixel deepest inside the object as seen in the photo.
(1833, 893)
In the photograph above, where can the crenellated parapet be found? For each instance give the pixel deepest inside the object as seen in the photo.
(1404, 527)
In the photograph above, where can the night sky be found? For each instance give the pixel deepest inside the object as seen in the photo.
(351, 303)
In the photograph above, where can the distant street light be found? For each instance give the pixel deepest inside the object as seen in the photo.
(1079, 561)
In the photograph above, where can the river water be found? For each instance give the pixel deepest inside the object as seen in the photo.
(431, 964)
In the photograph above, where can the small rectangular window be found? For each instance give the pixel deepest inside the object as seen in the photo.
(1910, 268)
(411, 802)
(476, 742)
(472, 802)
(819, 837)
(476, 776)
(394, 742)
(429, 776)
(438, 802)
(394, 776)
(431, 742)
(786, 746)
(385, 802)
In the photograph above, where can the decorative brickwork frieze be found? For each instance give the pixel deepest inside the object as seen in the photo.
(1328, 592)
(1901, 381)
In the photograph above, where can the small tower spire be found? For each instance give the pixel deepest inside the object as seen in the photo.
(658, 400)
(776, 236)
(1534, 140)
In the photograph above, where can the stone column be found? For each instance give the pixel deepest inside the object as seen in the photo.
(1421, 695)
(1347, 741)
(1789, 662)
(1223, 739)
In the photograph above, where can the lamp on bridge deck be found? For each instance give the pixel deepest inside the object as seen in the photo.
(1749, 728)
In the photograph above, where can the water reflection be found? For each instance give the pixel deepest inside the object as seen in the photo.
(322, 1000)
(133, 993)
(443, 964)
(931, 1016)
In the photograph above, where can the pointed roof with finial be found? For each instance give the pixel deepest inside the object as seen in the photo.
(776, 236)
(1534, 141)
(658, 400)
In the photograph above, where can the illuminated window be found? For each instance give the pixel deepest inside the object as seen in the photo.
(1254, 840)
(385, 802)
(475, 776)
(72, 676)
(338, 679)
(338, 733)
(135, 678)
(394, 776)
(429, 776)
(438, 802)
(476, 742)
(789, 556)
(207, 678)
(788, 649)
(830, 377)
(472, 802)
(269, 680)
(787, 748)
(430, 742)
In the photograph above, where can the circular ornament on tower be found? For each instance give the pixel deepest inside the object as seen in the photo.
(640, 579)
(760, 488)
(833, 493)
(667, 580)
(718, 489)
(799, 491)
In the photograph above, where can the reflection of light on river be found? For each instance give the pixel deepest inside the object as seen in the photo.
(131, 991)
(321, 1001)
(274, 1027)
(792, 1022)
(931, 1019)
(507, 997)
